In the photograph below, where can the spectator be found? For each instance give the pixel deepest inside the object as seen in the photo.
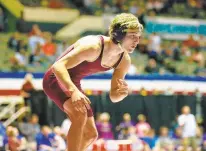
(126, 123)
(49, 48)
(150, 138)
(152, 66)
(27, 88)
(16, 142)
(37, 59)
(35, 31)
(124, 134)
(65, 126)
(21, 45)
(142, 127)
(45, 139)
(202, 42)
(133, 7)
(56, 4)
(188, 125)
(35, 39)
(164, 142)
(19, 61)
(191, 42)
(176, 51)
(105, 128)
(176, 137)
(197, 56)
(200, 70)
(60, 144)
(13, 41)
(154, 45)
(2, 136)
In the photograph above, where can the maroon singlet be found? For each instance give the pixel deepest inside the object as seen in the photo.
(52, 87)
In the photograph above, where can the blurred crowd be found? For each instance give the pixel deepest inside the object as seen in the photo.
(184, 134)
(166, 57)
(36, 50)
(146, 7)
(183, 8)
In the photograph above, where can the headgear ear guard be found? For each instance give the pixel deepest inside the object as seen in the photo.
(119, 31)
(118, 34)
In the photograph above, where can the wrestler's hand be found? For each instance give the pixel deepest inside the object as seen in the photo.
(122, 87)
(80, 101)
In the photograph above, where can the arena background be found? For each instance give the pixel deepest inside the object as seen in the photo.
(168, 66)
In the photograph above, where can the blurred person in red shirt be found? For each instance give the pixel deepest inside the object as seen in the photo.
(35, 30)
(191, 42)
(49, 48)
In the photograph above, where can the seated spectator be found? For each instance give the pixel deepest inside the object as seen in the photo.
(164, 142)
(21, 45)
(35, 38)
(65, 126)
(105, 127)
(30, 128)
(200, 70)
(13, 41)
(133, 7)
(56, 4)
(59, 143)
(202, 42)
(2, 136)
(150, 138)
(152, 67)
(176, 137)
(191, 42)
(142, 127)
(124, 134)
(45, 139)
(35, 30)
(49, 48)
(197, 56)
(19, 61)
(15, 141)
(126, 123)
(37, 58)
(176, 51)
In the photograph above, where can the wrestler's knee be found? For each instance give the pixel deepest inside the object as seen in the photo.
(76, 117)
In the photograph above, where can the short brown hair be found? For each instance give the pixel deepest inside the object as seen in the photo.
(128, 20)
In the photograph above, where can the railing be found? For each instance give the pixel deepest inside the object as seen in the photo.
(8, 109)
(15, 116)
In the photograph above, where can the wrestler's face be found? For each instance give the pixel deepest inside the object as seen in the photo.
(130, 41)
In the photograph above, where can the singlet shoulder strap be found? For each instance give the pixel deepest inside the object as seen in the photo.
(102, 43)
(118, 62)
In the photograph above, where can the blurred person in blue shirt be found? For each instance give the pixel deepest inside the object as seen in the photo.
(45, 139)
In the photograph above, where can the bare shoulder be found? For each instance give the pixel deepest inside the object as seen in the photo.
(125, 62)
(89, 42)
(90, 46)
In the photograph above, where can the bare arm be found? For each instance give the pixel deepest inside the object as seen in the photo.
(119, 88)
(82, 52)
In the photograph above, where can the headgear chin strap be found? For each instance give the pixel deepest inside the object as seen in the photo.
(119, 31)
